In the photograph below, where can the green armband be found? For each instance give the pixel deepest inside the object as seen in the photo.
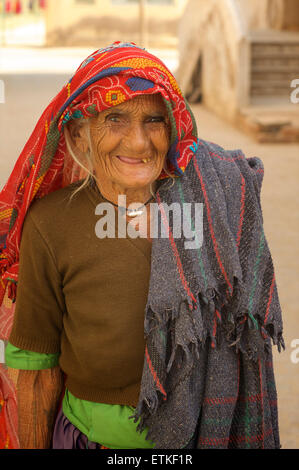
(29, 360)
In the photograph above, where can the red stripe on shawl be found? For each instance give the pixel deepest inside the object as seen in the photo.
(216, 314)
(238, 157)
(209, 441)
(211, 227)
(223, 400)
(270, 298)
(176, 254)
(154, 374)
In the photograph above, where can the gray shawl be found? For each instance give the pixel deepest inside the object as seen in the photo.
(211, 312)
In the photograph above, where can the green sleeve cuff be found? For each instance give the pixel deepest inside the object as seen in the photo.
(29, 360)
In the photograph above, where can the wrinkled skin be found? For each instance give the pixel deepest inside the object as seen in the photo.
(129, 145)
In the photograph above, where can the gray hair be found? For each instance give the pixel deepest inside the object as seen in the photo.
(89, 159)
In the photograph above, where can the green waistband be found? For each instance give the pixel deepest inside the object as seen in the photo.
(109, 425)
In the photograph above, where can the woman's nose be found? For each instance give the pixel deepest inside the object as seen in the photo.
(137, 138)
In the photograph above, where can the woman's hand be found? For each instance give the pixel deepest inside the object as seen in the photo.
(38, 394)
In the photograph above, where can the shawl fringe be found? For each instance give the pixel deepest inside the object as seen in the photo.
(200, 323)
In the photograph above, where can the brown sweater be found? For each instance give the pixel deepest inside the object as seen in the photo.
(83, 296)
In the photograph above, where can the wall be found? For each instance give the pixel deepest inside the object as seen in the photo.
(70, 23)
(275, 14)
(261, 14)
(212, 30)
(291, 15)
(217, 33)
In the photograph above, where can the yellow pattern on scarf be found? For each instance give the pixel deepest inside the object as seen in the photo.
(141, 63)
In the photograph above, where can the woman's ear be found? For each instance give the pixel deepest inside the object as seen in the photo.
(77, 134)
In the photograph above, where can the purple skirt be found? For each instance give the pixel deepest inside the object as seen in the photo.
(67, 436)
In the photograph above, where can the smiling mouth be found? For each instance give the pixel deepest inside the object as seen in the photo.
(133, 161)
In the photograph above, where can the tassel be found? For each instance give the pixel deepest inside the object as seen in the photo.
(170, 362)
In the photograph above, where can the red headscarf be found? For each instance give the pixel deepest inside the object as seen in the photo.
(106, 78)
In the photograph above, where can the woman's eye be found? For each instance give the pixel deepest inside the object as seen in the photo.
(112, 118)
(157, 119)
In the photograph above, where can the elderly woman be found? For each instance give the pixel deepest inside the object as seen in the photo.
(134, 338)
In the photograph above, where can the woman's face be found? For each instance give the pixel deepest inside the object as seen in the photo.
(130, 142)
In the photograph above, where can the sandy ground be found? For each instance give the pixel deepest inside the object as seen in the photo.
(28, 94)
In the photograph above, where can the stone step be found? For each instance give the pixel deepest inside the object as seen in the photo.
(270, 91)
(275, 74)
(275, 50)
(266, 82)
(273, 36)
(278, 65)
(274, 64)
(273, 79)
(271, 117)
(270, 124)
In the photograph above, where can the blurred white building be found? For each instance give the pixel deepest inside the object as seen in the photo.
(100, 22)
(240, 58)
